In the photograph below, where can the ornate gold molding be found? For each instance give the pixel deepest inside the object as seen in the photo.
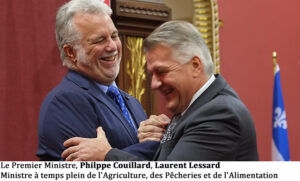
(135, 67)
(143, 11)
(206, 19)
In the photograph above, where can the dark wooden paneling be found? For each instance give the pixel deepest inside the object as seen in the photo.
(137, 19)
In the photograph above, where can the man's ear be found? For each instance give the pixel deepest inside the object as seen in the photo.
(70, 53)
(197, 66)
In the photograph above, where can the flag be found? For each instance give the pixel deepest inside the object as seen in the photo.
(280, 142)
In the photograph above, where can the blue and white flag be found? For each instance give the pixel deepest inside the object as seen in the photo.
(280, 141)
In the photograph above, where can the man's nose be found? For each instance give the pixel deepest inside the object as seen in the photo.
(155, 82)
(111, 45)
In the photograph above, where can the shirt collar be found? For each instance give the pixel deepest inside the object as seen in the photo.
(105, 87)
(200, 91)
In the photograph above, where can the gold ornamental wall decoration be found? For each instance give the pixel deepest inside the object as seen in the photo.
(135, 67)
(206, 19)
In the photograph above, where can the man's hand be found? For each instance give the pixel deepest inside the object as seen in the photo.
(87, 149)
(153, 128)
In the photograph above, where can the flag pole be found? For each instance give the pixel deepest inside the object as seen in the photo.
(280, 142)
(274, 61)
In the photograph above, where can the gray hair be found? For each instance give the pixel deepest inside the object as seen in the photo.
(185, 40)
(66, 32)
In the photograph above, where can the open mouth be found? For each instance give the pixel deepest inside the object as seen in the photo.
(108, 59)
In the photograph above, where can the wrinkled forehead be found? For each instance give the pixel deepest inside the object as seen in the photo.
(93, 23)
(89, 17)
(160, 57)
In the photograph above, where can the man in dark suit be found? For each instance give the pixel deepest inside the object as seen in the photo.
(210, 122)
(88, 96)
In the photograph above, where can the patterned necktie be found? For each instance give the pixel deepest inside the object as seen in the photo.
(114, 93)
(170, 130)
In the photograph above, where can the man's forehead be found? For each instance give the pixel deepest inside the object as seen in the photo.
(87, 17)
(162, 65)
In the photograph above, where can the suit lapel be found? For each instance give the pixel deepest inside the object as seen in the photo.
(98, 94)
(157, 153)
(110, 104)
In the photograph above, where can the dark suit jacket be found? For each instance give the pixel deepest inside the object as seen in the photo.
(217, 126)
(76, 107)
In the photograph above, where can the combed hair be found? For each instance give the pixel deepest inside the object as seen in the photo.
(66, 32)
(184, 39)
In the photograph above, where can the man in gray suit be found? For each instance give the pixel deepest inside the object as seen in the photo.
(210, 122)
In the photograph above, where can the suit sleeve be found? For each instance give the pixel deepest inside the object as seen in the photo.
(61, 118)
(145, 150)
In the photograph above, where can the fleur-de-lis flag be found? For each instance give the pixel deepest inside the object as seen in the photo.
(280, 142)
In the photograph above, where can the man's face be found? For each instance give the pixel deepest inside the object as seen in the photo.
(173, 79)
(99, 52)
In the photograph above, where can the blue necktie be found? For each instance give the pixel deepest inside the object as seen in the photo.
(114, 93)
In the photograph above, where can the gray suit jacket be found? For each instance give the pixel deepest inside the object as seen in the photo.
(217, 126)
